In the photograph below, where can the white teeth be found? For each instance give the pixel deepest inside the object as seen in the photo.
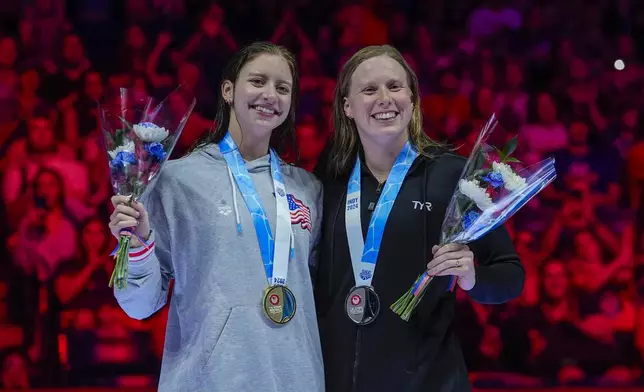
(264, 110)
(385, 116)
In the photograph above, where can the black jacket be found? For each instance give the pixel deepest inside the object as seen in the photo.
(391, 354)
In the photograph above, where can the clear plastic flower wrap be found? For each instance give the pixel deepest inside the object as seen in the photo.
(139, 134)
(492, 187)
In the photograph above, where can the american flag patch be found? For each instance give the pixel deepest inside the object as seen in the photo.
(300, 213)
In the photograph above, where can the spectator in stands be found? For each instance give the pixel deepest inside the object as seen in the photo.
(589, 168)
(512, 94)
(15, 372)
(134, 52)
(46, 234)
(545, 134)
(29, 97)
(27, 156)
(64, 74)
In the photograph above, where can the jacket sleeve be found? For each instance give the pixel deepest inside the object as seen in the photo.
(321, 167)
(499, 273)
(149, 271)
(316, 233)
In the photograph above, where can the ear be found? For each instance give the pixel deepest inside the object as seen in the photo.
(227, 89)
(347, 108)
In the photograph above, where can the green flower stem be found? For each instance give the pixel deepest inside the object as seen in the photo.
(119, 275)
(401, 303)
(406, 304)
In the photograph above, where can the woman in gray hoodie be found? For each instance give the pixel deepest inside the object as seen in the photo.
(236, 228)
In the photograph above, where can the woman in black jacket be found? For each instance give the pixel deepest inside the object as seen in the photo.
(382, 158)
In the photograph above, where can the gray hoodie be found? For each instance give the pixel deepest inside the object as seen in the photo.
(218, 338)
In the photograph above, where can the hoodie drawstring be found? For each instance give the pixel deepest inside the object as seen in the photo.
(232, 182)
(239, 225)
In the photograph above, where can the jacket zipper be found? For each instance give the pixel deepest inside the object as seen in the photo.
(356, 359)
(356, 355)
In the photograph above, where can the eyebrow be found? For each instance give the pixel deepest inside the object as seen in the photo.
(389, 81)
(365, 83)
(261, 75)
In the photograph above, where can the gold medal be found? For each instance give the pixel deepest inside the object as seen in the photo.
(279, 304)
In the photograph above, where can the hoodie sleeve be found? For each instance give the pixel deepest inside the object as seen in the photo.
(499, 273)
(150, 270)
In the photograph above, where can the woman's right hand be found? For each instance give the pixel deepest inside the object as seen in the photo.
(124, 217)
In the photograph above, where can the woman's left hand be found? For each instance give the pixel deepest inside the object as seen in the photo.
(454, 259)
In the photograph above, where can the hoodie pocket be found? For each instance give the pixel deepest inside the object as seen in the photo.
(312, 340)
(253, 354)
(219, 339)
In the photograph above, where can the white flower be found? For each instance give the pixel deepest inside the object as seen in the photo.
(150, 133)
(128, 147)
(511, 180)
(474, 192)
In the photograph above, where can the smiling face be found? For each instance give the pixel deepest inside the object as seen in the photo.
(261, 95)
(379, 99)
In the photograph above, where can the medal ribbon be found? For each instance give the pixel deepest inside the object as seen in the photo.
(364, 254)
(277, 251)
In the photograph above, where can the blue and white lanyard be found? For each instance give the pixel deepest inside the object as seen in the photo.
(277, 251)
(364, 254)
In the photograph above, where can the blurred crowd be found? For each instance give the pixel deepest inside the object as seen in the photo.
(547, 68)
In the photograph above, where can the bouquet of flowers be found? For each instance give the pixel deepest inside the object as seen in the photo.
(139, 134)
(490, 190)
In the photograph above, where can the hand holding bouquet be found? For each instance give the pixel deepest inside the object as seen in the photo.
(490, 190)
(139, 136)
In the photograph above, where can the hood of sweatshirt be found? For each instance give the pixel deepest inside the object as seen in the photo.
(256, 166)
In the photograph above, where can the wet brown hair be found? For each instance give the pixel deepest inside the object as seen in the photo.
(346, 142)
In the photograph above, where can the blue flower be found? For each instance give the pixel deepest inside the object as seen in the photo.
(123, 157)
(494, 178)
(470, 218)
(147, 125)
(156, 152)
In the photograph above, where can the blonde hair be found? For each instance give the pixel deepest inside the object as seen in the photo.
(346, 142)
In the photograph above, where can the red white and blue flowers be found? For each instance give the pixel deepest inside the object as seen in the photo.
(488, 192)
(139, 135)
